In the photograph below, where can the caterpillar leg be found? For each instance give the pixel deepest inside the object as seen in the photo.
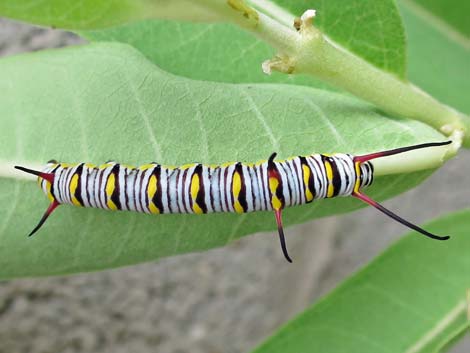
(282, 239)
(397, 218)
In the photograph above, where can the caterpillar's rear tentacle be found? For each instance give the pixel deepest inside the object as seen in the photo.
(397, 218)
(282, 239)
(48, 212)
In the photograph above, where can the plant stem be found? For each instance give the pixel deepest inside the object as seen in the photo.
(309, 51)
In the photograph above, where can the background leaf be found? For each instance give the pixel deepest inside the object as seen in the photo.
(453, 12)
(106, 101)
(371, 29)
(437, 61)
(410, 299)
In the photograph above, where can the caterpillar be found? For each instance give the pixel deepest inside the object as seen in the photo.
(231, 187)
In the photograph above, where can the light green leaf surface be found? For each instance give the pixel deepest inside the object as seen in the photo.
(410, 299)
(437, 61)
(223, 52)
(106, 101)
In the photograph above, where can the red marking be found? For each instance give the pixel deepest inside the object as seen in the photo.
(368, 157)
(47, 176)
(273, 173)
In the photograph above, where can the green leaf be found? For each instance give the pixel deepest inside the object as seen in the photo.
(409, 299)
(453, 12)
(106, 101)
(223, 52)
(438, 60)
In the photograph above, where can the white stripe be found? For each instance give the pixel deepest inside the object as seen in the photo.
(164, 188)
(248, 192)
(187, 189)
(144, 188)
(130, 188)
(299, 176)
(228, 189)
(138, 191)
(295, 181)
(222, 185)
(106, 174)
(265, 185)
(122, 186)
(206, 180)
(215, 189)
(83, 181)
(172, 185)
(255, 188)
(281, 168)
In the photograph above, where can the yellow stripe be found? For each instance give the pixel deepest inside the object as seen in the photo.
(329, 175)
(187, 166)
(104, 166)
(146, 166)
(308, 192)
(73, 188)
(151, 191)
(358, 177)
(49, 193)
(194, 192)
(236, 188)
(110, 186)
(273, 185)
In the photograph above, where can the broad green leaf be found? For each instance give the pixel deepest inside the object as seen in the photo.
(222, 52)
(409, 299)
(106, 101)
(453, 12)
(438, 61)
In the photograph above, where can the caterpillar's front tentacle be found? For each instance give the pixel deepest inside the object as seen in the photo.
(46, 215)
(397, 218)
(282, 239)
(46, 176)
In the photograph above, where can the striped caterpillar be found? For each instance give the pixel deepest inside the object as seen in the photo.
(232, 187)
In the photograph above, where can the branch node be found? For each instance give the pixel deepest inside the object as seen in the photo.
(306, 22)
(279, 63)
